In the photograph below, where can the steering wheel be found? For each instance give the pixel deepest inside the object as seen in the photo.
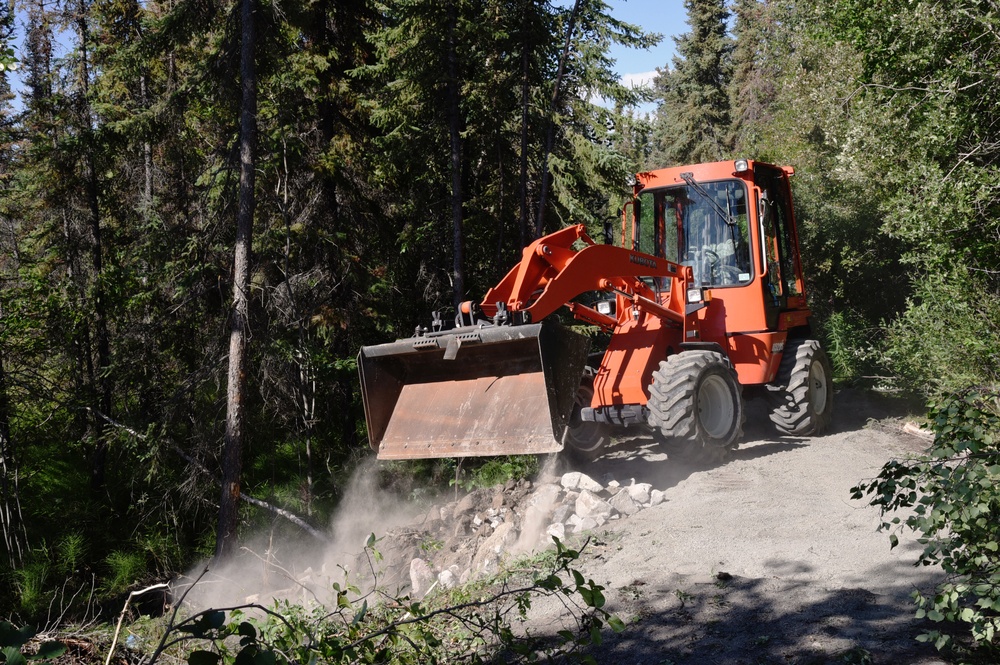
(727, 274)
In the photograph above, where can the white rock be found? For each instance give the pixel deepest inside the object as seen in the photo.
(421, 578)
(656, 497)
(586, 524)
(545, 495)
(570, 480)
(588, 483)
(466, 505)
(447, 579)
(499, 541)
(557, 530)
(639, 492)
(574, 480)
(590, 505)
(561, 512)
(537, 510)
(624, 503)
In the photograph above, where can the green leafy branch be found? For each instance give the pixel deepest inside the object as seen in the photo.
(952, 495)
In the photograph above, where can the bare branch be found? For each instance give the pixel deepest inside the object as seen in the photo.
(281, 512)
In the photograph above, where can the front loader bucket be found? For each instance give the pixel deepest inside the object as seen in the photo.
(503, 390)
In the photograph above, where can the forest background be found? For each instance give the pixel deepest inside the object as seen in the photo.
(385, 159)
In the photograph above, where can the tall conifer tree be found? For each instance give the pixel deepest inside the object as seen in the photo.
(693, 121)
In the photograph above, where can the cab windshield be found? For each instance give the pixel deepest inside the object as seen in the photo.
(702, 226)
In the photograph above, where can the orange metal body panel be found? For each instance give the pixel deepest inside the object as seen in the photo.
(735, 315)
(634, 352)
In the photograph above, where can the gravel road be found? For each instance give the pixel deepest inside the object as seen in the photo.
(764, 559)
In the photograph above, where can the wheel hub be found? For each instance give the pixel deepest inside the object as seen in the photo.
(715, 407)
(818, 388)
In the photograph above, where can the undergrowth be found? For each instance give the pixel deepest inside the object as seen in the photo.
(477, 623)
(951, 499)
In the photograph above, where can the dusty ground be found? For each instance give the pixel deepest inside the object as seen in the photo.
(764, 559)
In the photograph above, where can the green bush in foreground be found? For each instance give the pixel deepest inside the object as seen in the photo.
(953, 493)
(472, 625)
(13, 640)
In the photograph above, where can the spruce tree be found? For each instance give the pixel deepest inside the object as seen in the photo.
(754, 73)
(693, 120)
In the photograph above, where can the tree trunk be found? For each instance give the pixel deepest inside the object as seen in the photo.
(455, 135)
(146, 203)
(550, 131)
(91, 192)
(525, 99)
(232, 453)
(15, 538)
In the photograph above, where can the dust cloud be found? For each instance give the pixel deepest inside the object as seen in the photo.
(280, 564)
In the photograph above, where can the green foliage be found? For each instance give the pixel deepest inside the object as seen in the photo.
(497, 471)
(125, 569)
(930, 133)
(951, 500)
(71, 552)
(31, 580)
(13, 641)
(948, 337)
(472, 626)
(693, 124)
(853, 347)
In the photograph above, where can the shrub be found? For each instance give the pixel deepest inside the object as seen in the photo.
(852, 345)
(31, 581)
(953, 497)
(124, 570)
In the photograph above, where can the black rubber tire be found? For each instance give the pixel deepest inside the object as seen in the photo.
(696, 406)
(585, 441)
(803, 390)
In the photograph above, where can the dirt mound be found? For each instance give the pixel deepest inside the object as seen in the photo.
(469, 537)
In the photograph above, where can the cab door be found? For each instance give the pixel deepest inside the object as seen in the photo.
(779, 256)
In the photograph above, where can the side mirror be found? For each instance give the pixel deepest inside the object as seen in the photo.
(609, 238)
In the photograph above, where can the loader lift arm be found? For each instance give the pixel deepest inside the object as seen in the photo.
(551, 273)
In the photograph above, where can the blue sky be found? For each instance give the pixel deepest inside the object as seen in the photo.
(667, 17)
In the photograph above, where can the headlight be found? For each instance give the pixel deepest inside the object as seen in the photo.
(604, 307)
(741, 165)
(694, 295)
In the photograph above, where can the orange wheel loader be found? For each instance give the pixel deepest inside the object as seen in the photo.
(703, 297)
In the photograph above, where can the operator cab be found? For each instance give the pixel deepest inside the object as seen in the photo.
(731, 222)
